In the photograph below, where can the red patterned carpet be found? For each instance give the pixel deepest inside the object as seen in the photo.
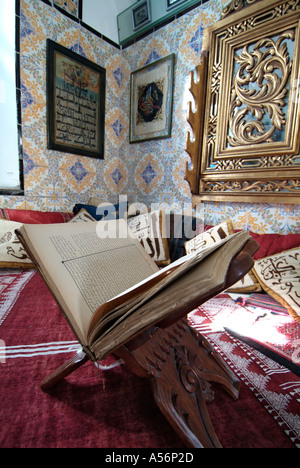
(113, 408)
(275, 387)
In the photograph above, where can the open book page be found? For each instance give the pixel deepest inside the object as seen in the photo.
(192, 276)
(127, 302)
(83, 270)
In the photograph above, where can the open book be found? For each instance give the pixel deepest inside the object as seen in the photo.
(109, 288)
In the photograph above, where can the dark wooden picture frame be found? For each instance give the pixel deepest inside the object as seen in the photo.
(141, 14)
(75, 103)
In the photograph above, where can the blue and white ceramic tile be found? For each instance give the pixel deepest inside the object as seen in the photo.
(148, 172)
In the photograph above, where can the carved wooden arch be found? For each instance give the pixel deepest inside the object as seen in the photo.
(246, 123)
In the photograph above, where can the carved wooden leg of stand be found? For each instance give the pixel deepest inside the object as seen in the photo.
(66, 369)
(187, 413)
(182, 367)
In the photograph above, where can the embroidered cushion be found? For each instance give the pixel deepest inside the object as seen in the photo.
(107, 211)
(271, 244)
(209, 237)
(12, 253)
(150, 229)
(279, 276)
(82, 216)
(246, 285)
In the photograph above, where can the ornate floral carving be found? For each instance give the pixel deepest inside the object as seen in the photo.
(248, 145)
(291, 186)
(268, 67)
(236, 5)
(279, 161)
(265, 162)
(190, 368)
(216, 78)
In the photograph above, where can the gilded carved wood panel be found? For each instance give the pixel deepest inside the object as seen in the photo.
(246, 123)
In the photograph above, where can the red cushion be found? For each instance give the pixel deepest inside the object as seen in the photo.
(35, 217)
(271, 244)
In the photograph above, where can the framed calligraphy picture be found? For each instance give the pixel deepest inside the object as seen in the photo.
(151, 100)
(75, 103)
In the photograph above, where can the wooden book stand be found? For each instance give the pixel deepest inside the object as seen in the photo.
(180, 364)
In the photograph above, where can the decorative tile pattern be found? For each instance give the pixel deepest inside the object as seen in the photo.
(71, 6)
(115, 177)
(149, 172)
(261, 218)
(149, 175)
